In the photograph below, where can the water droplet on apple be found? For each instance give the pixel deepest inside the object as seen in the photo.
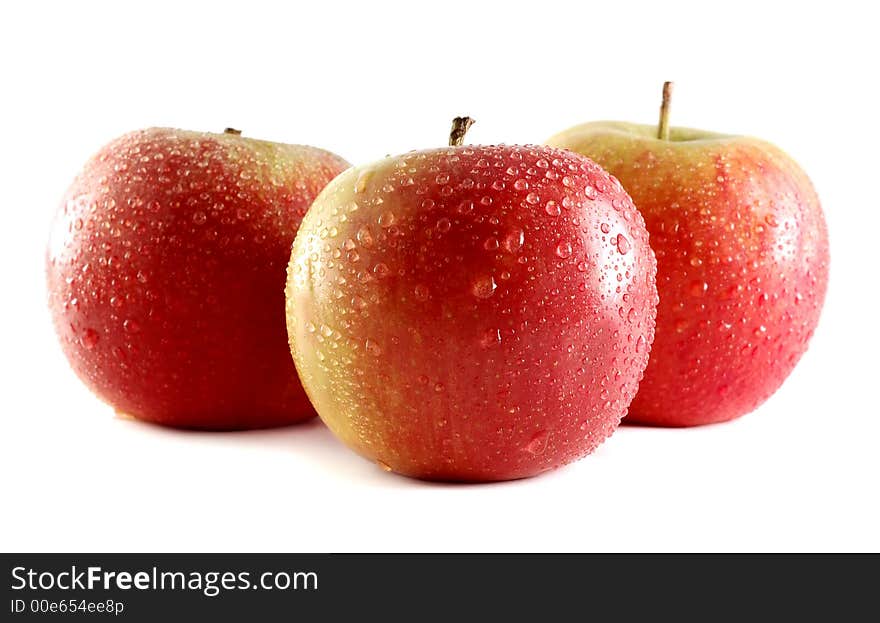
(363, 179)
(538, 444)
(444, 225)
(490, 244)
(90, 339)
(563, 249)
(514, 240)
(552, 208)
(605, 228)
(520, 184)
(623, 245)
(421, 292)
(386, 219)
(698, 288)
(492, 337)
(372, 348)
(365, 236)
(199, 217)
(484, 286)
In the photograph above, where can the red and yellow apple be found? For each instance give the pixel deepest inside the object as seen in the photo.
(742, 263)
(166, 277)
(472, 313)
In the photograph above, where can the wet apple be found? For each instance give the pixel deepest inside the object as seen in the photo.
(166, 270)
(742, 263)
(472, 312)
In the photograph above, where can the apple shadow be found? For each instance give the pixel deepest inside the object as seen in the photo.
(310, 439)
(314, 441)
(674, 427)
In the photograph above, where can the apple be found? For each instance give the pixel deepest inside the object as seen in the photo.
(742, 263)
(472, 313)
(166, 269)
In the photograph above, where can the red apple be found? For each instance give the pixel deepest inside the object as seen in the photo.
(473, 312)
(166, 273)
(742, 264)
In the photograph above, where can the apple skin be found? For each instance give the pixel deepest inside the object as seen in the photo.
(742, 264)
(472, 313)
(166, 270)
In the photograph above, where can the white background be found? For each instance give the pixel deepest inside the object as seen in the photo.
(372, 78)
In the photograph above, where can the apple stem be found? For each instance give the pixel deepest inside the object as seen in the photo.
(663, 126)
(460, 126)
(232, 131)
